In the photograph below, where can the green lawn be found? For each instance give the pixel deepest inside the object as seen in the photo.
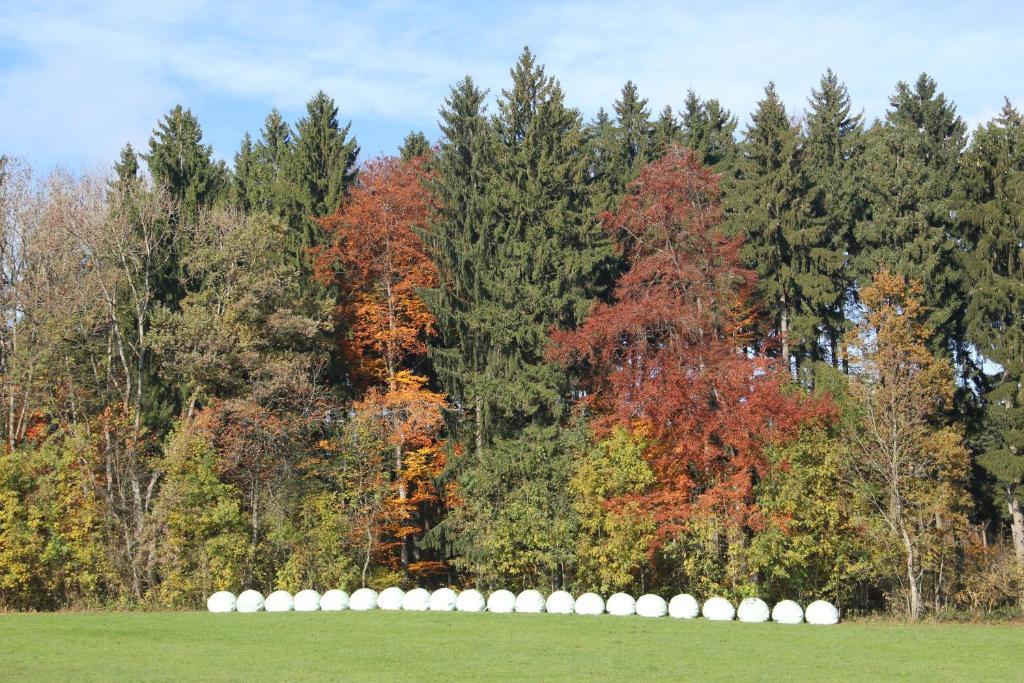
(458, 646)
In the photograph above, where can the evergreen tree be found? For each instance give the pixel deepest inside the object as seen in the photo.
(770, 205)
(244, 179)
(993, 216)
(626, 145)
(414, 145)
(536, 261)
(666, 132)
(322, 167)
(911, 165)
(833, 148)
(709, 130)
(272, 189)
(126, 168)
(180, 162)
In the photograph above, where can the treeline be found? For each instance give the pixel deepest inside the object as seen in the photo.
(645, 353)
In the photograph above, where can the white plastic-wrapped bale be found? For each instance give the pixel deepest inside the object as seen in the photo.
(589, 604)
(470, 600)
(621, 605)
(530, 602)
(443, 600)
(279, 601)
(683, 606)
(718, 609)
(788, 612)
(822, 613)
(363, 600)
(249, 601)
(416, 600)
(752, 611)
(560, 602)
(391, 598)
(307, 601)
(501, 602)
(651, 605)
(221, 601)
(334, 600)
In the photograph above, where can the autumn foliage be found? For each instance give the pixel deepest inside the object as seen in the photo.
(668, 351)
(378, 263)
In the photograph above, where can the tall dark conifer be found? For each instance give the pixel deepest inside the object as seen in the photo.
(911, 165)
(992, 214)
(833, 152)
(769, 205)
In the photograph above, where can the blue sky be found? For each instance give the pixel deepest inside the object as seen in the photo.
(78, 80)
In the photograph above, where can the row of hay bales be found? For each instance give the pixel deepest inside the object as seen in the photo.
(682, 606)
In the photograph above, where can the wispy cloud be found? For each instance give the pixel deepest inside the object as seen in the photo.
(78, 79)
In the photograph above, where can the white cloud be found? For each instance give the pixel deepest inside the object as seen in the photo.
(78, 80)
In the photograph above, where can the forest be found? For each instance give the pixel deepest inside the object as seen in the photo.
(653, 351)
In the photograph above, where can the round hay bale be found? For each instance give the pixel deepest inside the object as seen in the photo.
(416, 600)
(334, 600)
(589, 604)
(530, 602)
(391, 598)
(718, 609)
(443, 600)
(501, 602)
(752, 611)
(221, 601)
(363, 600)
(307, 601)
(788, 612)
(621, 605)
(470, 600)
(822, 613)
(684, 606)
(651, 605)
(560, 602)
(249, 601)
(279, 601)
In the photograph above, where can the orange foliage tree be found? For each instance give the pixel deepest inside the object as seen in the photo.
(668, 351)
(378, 263)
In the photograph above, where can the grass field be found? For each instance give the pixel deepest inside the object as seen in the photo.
(458, 646)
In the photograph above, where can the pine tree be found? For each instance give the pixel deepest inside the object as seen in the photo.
(834, 144)
(769, 205)
(414, 145)
(321, 168)
(244, 179)
(126, 168)
(911, 165)
(626, 145)
(180, 162)
(528, 258)
(666, 132)
(273, 190)
(709, 130)
(992, 185)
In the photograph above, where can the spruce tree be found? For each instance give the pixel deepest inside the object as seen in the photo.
(127, 167)
(910, 169)
(709, 129)
(414, 145)
(627, 145)
(833, 150)
(992, 213)
(666, 132)
(244, 179)
(321, 169)
(180, 162)
(460, 242)
(529, 257)
(770, 207)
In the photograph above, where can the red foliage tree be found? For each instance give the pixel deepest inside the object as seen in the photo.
(669, 351)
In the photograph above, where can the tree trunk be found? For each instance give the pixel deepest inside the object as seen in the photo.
(913, 579)
(784, 330)
(1016, 524)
